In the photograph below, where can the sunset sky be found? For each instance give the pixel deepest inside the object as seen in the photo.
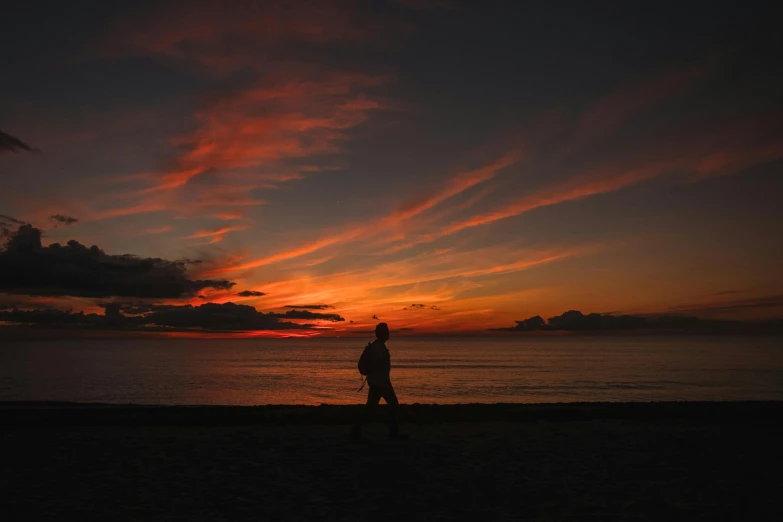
(440, 165)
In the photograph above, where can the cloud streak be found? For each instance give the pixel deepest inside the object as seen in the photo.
(9, 143)
(215, 236)
(622, 104)
(690, 163)
(456, 185)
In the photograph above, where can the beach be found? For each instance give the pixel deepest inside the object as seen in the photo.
(578, 461)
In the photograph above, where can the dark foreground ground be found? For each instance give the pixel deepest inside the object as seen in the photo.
(657, 461)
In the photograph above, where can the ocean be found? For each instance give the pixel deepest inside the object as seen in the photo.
(424, 370)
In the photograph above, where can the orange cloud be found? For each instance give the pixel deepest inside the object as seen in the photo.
(432, 277)
(290, 254)
(459, 183)
(158, 230)
(568, 191)
(456, 185)
(228, 216)
(436, 278)
(226, 196)
(215, 235)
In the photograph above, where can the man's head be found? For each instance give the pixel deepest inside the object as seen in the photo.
(382, 332)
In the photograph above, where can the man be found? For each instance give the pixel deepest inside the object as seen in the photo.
(380, 384)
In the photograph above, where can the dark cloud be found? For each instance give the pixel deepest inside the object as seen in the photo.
(250, 293)
(27, 267)
(136, 308)
(7, 225)
(31, 302)
(206, 317)
(13, 144)
(8, 302)
(733, 307)
(50, 316)
(65, 220)
(311, 306)
(420, 307)
(306, 314)
(213, 316)
(9, 219)
(574, 320)
(533, 323)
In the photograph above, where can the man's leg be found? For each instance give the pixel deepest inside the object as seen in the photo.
(391, 409)
(373, 398)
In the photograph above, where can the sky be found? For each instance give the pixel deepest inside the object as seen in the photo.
(435, 164)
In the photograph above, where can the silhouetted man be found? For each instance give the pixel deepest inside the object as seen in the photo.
(380, 384)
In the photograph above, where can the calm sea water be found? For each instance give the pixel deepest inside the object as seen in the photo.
(315, 371)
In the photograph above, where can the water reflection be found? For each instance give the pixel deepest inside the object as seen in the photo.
(315, 371)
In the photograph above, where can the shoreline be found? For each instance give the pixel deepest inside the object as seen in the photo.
(18, 333)
(46, 413)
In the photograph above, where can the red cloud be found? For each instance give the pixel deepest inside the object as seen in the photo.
(257, 134)
(263, 125)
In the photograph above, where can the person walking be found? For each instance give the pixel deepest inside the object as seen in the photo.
(379, 382)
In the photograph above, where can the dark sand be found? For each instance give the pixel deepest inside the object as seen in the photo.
(658, 461)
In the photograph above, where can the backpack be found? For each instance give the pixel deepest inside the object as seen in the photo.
(365, 361)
